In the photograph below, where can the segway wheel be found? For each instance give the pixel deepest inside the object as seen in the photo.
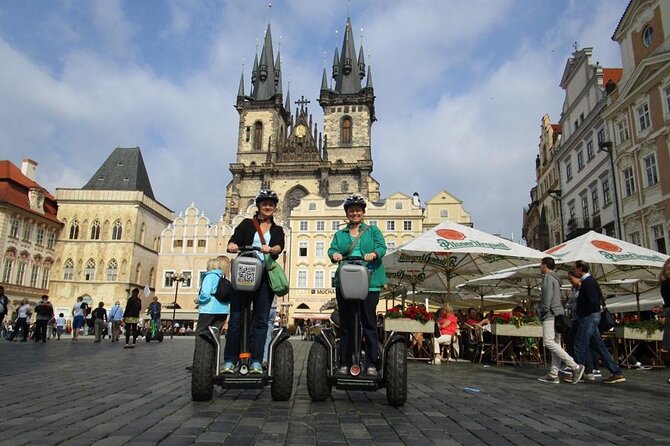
(318, 386)
(160, 337)
(282, 372)
(147, 337)
(395, 371)
(202, 371)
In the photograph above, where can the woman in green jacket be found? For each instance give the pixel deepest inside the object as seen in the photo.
(371, 246)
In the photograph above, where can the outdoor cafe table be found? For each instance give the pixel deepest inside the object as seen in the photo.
(635, 340)
(412, 327)
(502, 348)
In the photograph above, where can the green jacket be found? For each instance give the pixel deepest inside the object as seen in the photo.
(371, 240)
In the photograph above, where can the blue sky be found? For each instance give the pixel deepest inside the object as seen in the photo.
(461, 87)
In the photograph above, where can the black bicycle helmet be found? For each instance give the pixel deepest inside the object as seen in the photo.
(354, 199)
(266, 194)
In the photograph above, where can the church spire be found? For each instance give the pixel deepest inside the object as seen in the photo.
(368, 83)
(361, 63)
(266, 77)
(324, 81)
(347, 78)
(240, 90)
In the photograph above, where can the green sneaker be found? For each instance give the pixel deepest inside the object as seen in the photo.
(228, 367)
(256, 368)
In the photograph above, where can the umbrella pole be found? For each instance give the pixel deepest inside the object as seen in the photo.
(637, 299)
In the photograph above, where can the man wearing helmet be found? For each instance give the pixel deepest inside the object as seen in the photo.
(358, 239)
(246, 234)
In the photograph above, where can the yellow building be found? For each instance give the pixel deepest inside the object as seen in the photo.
(29, 232)
(110, 237)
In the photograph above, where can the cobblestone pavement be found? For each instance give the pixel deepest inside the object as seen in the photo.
(101, 394)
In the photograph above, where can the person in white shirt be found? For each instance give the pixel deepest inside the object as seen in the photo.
(60, 325)
(115, 317)
(79, 315)
(21, 323)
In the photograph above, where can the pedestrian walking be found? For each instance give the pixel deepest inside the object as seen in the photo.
(588, 334)
(549, 307)
(131, 317)
(4, 307)
(99, 316)
(60, 325)
(44, 312)
(664, 278)
(115, 317)
(24, 312)
(78, 315)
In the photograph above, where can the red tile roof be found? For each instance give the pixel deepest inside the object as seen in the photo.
(14, 188)
(612, 73)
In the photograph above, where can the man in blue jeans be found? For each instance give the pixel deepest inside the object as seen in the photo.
(588, 334)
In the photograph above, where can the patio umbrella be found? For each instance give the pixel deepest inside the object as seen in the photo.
(523, 281)
(609, 258)
(450, 254)
(631, 287)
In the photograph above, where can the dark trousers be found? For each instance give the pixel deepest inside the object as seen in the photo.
(41, 329)
(20, 324)
(262, 300)
(209, 320)
(129, 328)
(588, 336)
(368, 309)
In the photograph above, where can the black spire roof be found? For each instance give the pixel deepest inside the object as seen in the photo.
(266, 77)
(124, 169)
(347, 70)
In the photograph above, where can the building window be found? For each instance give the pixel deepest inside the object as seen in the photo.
(643, 117)
(258, 136)
(202, 243)
(580, 160)
(68, 269)
(168, 281)
(7, 272)
(568, 170)
(302, 249)
(74, 230)
(95, 230)
(304, 225)
(571, 210)
(407, 225)
(634, 238)
(34, 272)
(390, 225)
(178, 243)
(312, 207)
(601, 135)
(628, 181)
(189, 243)
(622, 130)
(46, 273)
(89, 272)
(650, 171)
(346, 130)
(51, 240)
(585, 208)
(27, 232)
(320, 249)
(20, 272)
(188, 278)
(666, 92)
(332, 278)
(320, 225)
(659, 239)
(318, 279)
(112, 270)
(39, 240)
(594, 200)
(372, 222)
(444, 213)
(590, 153)
(398, 204)
(117, 230)
(14, 228)
(335, 225)
(647, 36)
(607, 198)
(302, 279)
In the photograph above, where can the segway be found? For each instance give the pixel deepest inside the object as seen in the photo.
(246, 271)
(323, 360)
(154, 332)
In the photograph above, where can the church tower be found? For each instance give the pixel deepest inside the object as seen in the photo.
(286, 152)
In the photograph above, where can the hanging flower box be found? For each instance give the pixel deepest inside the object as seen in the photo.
(408, 325)
(524, 331)
(637, 334)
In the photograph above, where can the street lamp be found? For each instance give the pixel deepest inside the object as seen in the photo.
(556, 194)
(606, 146)
(178, 278)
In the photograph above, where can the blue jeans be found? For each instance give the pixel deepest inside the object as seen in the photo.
(262, 300)
(587, 336)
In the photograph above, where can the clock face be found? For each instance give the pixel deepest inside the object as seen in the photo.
(300, 131)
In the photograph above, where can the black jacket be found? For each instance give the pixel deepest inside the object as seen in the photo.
(133, 307)
(244, 235)
(588, 301)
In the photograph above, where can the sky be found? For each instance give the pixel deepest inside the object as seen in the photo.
(461, 87)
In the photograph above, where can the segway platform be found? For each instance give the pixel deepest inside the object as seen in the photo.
(363, 383)
(237, 381)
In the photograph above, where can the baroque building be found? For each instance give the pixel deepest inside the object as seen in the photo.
(639, 123)
(29, 229)
(111, 232)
